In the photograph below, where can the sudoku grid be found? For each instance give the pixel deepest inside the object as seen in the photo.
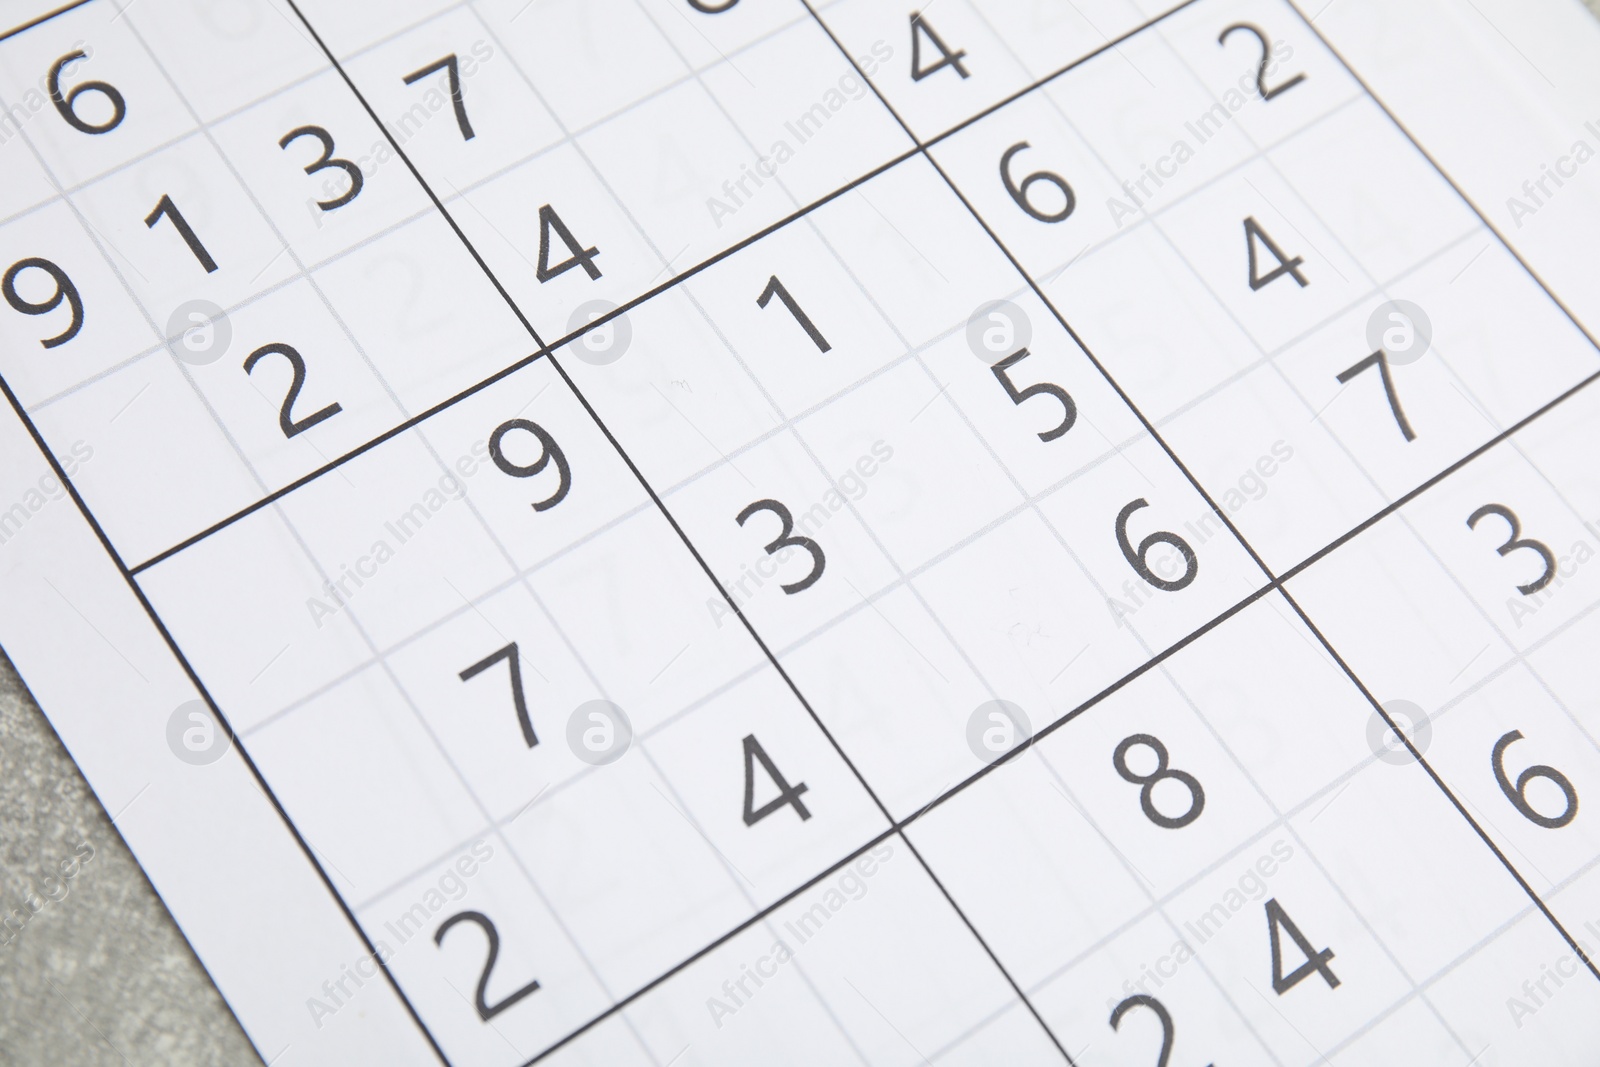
(604, 517)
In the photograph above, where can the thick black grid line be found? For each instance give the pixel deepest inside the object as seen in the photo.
(629, 305)
(1276, 583)
(222, 720)
(677, 528)
(46, 17)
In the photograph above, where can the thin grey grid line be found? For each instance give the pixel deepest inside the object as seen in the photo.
(1224, 519)
(1161, 34)
(440, 750)
(719, 255)
(751, 630)
(762, 438)
(456, 5)
(456, 194)
(1401, 516)
(1164, 667)
(1270, 355)
(816, 461)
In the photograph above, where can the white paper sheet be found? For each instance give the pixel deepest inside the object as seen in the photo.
(667, 532)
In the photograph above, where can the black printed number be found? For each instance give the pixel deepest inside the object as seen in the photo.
(1254, 238)
(1518, 793)
(486, 1011)
(577, 256)
(286, 419)
(1147, 782)
(788, 795)
(786, 539)
(453, 73)
(165, 208)
(68, 105)
(1516, 541)
(1136, 557)
(324, 161)
(1019, 192)
(65, 290)
(1316, 960)
(1144, 1000)
(775, 289)
(1261, 67)
(1380, 359)
(509, 655)
(1069, 414)
(921, 31)
(549, 452)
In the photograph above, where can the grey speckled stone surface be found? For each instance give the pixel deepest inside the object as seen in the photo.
(98, 974)
(101, 976)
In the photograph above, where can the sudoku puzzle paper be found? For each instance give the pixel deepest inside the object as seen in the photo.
(667, 532)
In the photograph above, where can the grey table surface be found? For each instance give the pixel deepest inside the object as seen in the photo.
(101, 975)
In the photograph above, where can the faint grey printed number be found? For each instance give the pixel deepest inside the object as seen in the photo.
(788, 795)
(509, 655)
(1255, 239)
(775, 289)
(1069, 413)
(486, 1011)
(1019, 190)
(1316, 960)
(549, 452)
(921, 31)
(324, 161)
(786, 539)
(64, 290)
(1518, 793)
(1137, 558)
(68, 105)
(1516, 541)
(1261, 67)
(1144, 1000)
(1147, 782)
(286, 420)
(453, 73)
(1380, 359)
